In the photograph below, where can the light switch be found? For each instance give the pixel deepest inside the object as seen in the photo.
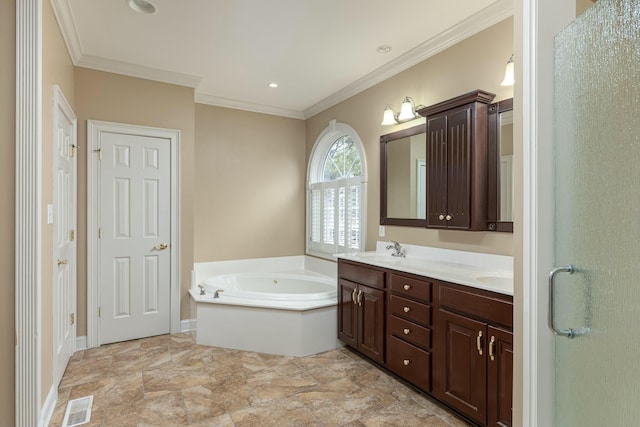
(381, 231)
(49, 214)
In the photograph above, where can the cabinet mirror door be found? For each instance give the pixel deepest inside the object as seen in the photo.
(403, 177)
(500, 166)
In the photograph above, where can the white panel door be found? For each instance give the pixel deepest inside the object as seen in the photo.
(135, 267)
(64, 220)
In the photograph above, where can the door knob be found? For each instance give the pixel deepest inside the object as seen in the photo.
(161, 247)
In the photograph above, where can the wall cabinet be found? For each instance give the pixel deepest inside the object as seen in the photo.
(361, 298)
(451, 341)
(457, 162)
(474, 361)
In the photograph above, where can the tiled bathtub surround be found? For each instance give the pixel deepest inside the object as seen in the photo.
(170, 381)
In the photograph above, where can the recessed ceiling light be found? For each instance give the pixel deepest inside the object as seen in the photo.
(141, 6)
(385, 48)
(273, 84)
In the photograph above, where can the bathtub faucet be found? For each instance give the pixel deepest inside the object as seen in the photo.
(202, 292)
(216, 293)
(397, 249)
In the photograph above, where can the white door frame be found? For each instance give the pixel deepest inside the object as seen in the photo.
(61, 106)
(94, 129)
(537, 22)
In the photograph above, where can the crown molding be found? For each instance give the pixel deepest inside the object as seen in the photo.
(62, 12)
(496, 12)
(140, 71)
(491, 15)
(218, 101)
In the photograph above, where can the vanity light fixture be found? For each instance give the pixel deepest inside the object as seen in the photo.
(407, 113)
(508, 73)
(141, 6)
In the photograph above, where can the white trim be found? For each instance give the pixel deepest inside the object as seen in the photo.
(81, 343)
(218, 101)
(187, 325)
(94, 129)
(28, 213)
(542, 19)
(491, 15)
(49, 406)
(62, 12)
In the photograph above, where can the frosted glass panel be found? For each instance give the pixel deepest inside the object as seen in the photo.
(597, 217)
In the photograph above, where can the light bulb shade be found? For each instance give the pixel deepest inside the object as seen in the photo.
(388, 118)
(407, 111)
(508, 74)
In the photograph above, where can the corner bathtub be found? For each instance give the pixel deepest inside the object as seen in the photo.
(291, 314)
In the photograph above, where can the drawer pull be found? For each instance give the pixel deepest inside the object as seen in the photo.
(360, 297)
(406, 362)
(353, 295)
(479, 342)
(407, 287)
(492, 348)
(406, 331)
(406, 309)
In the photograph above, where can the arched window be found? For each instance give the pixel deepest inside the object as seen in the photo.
(336, 196)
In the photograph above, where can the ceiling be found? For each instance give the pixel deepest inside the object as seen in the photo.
(320, 52)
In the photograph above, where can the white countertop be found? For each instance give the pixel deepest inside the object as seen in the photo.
(483, 271)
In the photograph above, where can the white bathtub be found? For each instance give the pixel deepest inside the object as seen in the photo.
(291, 312)
(273, 286)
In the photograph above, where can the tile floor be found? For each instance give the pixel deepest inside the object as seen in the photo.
(170, 381)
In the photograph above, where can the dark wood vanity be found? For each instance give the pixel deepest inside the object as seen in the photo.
(451, 341)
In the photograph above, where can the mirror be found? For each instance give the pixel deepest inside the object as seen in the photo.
(500, 166)
(403, 177)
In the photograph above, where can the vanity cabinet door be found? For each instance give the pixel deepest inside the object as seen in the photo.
(371, 320)
(437, 171)
(500, 377)
(462, 368)
(347, 313)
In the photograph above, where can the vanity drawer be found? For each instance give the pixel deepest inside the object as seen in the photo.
(410, 332)
(489, 306)
(409, 362)
(366, 275)
(410, 310)
(410, 287)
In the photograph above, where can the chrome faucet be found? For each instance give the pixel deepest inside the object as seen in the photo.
(397, 249)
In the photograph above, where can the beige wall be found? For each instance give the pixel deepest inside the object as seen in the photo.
(57, 69)
(475, 63)
(7, 217)
(250, 193)
(116, 98)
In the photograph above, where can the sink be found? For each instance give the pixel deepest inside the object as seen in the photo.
(501, 282)
(378, 257)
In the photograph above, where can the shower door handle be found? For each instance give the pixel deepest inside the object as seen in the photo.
(569, 333)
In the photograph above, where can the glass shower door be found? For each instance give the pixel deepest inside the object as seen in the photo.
(597, 217)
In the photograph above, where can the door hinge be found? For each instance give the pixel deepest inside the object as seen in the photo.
(99, 232)
(99, 311)
(72, 318)
(99, 151)
(72, 235)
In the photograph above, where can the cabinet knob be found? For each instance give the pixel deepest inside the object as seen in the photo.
(406, 309)
(407, 287)
(441, 217)
(406, 362)
(406, 331)
(448, 217)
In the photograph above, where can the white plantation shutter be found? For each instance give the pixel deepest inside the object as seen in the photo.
(335, 201)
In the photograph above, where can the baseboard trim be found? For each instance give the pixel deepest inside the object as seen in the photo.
(81, 343)
(187, 325)
(49, 406)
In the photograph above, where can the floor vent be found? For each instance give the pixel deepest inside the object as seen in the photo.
(78, 411)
